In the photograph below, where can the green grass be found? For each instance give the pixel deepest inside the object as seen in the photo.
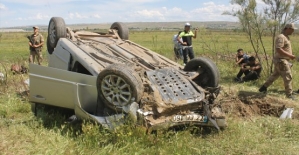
(48, 133)
(14, 45)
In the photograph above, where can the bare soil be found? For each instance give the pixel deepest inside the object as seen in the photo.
(248, 104)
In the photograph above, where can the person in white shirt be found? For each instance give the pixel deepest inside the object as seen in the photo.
(177, 47)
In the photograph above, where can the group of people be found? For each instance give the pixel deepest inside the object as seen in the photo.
(249, 67)
(282, 66)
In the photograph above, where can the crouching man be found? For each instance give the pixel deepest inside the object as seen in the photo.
(251, 70)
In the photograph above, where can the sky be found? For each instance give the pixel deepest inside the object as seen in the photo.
(38, 12)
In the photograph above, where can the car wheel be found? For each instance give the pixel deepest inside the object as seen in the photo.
(49, 47)
(122, 30)
(118, 86)
(56, 30)
(209, 73)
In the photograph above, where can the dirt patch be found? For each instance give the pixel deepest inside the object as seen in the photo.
(248, 104)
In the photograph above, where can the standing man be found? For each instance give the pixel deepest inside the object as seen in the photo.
(36, 41)
(187, 36)
(282, 66)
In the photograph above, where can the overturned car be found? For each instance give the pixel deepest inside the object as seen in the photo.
(107, 78)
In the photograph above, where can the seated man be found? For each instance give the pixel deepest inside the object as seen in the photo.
(251, 69)
(241, 57)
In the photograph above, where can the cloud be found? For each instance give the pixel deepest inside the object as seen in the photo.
(159, 14)
(39, 2)
(38, 16)
(211, 11)
(211, 8)
(150, 13)
(96, 16)
(77, 16)
(2, 7)
(140, 1)
(175, 14)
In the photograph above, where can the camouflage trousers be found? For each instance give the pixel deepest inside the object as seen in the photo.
(36, 53)
(283, 69)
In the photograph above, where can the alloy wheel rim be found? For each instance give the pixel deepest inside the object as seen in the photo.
(116, 90)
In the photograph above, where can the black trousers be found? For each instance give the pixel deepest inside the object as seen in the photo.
(188, 51)
(249, 75)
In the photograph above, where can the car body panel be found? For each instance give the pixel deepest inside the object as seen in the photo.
(58, 87)
(61, 60)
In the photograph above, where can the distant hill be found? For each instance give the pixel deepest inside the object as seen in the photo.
(139, 26)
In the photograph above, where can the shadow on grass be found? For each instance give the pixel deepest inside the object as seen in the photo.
(230, 80)
(195, 130)
(251, 95)
(282, 91)
(203, 132)
(58, 118)
(227, 79)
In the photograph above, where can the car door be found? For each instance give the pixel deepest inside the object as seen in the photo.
(60, 88)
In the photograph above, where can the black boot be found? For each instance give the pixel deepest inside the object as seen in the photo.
(263, 89)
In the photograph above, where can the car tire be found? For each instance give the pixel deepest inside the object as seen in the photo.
(56, 30)
(118, 86)
(122, 30)
(210, 74)
(50, 49)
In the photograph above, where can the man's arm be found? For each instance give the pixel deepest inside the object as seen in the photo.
(258, 66)
(283, 52)
(279, 44)
(41, 42)
(243, 66)
(237, 58)
(39, 45)
(240, 60)
(195, 33)
(30, 43)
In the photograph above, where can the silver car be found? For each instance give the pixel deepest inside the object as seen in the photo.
(107, 78)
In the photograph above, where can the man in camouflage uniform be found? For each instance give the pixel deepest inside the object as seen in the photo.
(36, 41)
(282, 66)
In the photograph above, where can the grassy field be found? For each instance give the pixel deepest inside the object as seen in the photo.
(248, 131)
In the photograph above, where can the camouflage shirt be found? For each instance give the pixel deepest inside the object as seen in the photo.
(36, 40)
(283, 42)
